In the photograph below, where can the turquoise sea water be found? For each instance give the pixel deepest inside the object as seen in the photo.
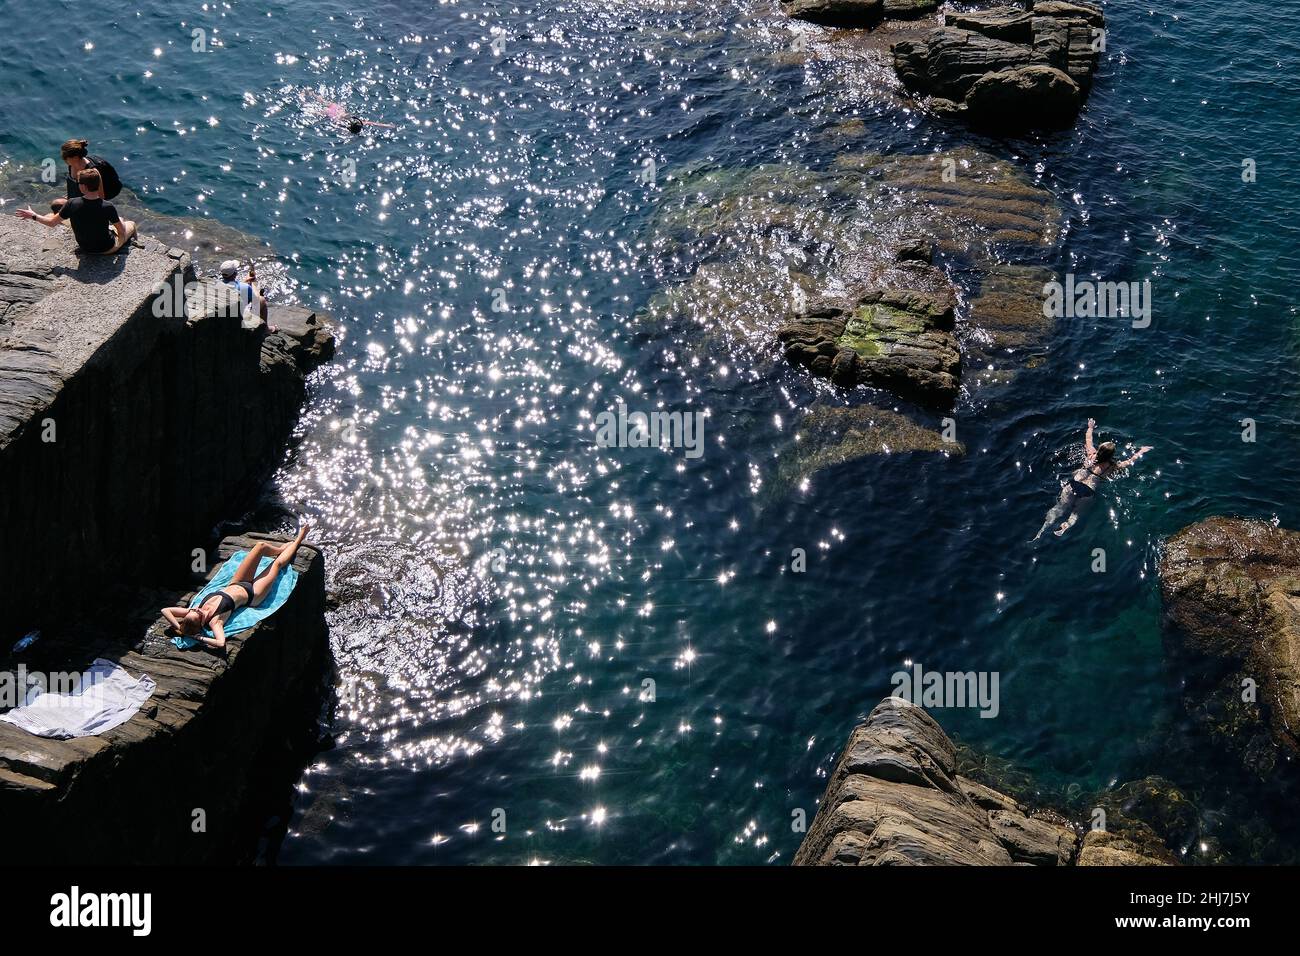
(506, 586)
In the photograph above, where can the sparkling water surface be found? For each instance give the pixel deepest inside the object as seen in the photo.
(506, 588)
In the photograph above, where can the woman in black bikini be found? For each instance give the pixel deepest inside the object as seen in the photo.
(1098, 463)
(246, 588)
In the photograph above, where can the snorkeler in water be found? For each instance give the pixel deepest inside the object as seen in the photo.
(338, 114)
(1077, 493)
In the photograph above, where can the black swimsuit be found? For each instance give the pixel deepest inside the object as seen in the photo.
(225, 602)
(1080, 489)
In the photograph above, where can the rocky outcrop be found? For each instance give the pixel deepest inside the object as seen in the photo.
(1104, 848)
(895, 798)
(1007, 67)
(898, 338)
(181, 781)
(134, 414)
(1230, 589)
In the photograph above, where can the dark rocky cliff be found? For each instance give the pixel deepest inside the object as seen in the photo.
(135, 414)
(125, 436)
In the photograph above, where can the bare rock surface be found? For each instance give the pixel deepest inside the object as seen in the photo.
(898, 338)
(1007, 67)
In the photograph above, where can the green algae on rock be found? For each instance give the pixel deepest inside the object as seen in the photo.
(894, 339)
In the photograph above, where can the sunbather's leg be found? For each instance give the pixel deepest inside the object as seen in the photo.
(284, 555)
(247, 569)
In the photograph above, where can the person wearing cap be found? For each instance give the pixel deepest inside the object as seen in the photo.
(99, 229)
(252, 304)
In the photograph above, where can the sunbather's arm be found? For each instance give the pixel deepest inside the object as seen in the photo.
(219, 641)
(170, 614)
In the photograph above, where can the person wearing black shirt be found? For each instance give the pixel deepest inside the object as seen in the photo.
(95, 223)
(76, 154)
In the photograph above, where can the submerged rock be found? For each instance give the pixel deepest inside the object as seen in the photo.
(840, 13)
(1138, 846)
(1229, 587)
(970, 204)
(1013, 331)
(828, 436)
(1151, 812)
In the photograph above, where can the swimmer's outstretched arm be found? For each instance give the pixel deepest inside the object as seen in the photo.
(1088, 447)
(1136, 455)
(375, 123)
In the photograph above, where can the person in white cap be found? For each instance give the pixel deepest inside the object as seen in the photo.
(252, 304)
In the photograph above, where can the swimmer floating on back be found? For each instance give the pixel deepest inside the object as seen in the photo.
(338, 114)
(1098, 463)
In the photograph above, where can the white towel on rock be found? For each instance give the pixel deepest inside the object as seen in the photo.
(105, 697)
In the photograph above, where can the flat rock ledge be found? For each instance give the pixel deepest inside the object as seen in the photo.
(898, 338)
(895, 799)
(1231, 590)
(181, 780)
(135, 412)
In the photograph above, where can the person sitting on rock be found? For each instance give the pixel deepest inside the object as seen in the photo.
(76, 154)
(1077, 493)
(252, 303)
(93, 219)
(246, 589)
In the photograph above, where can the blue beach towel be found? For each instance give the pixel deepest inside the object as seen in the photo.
(245, 617)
